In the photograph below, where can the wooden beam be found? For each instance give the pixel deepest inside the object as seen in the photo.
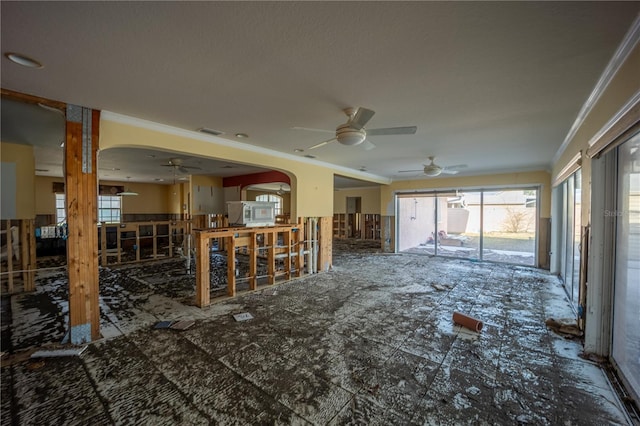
(203, 282)
(81, 187)
(31, 99)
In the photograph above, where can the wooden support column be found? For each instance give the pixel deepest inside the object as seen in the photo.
(299, 243)
(271, 256)
(231, 266)
(155, 242)
(203, 281)
(81, 185)
(325, 240)
(253, 260)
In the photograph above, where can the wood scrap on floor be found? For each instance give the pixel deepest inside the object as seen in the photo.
(567, 327)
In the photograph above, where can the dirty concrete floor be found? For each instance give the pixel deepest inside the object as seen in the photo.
(371, 342)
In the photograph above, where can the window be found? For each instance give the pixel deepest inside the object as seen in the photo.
(108, 208)
(61, 212)
(272, 199)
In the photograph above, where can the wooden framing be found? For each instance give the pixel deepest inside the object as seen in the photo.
(24, 253)
(282, 242)
(173, 225)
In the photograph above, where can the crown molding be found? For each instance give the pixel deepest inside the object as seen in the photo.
(629, 42)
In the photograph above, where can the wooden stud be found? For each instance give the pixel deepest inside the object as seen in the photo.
(231, 266)
(253, 261)
(9, 257)
(203, 282)
(286, 239)
(171, 228)
(271, 256)
(137, 243)
(103, 244)
(24, 252)
(155, 241)
(31, 239)
(325, 241)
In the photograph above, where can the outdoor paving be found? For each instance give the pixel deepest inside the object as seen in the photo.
(370, 342)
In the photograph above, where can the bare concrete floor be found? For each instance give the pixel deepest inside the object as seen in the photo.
(371, 342)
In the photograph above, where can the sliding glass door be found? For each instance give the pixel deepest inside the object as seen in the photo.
(570, 235)
(497, 225)
(626, 308)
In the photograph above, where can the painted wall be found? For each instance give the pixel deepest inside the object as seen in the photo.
(370, 198)
(21, 201)
(207, 195)
(45, 197)
(311, 184)
(622, 87)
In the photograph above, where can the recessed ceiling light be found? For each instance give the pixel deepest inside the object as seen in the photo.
(151, 155)
(23, 60)
(242, 135)
(159, 180)
(298, 150)
(209, 131)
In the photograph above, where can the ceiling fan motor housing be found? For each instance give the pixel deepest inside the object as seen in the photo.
(432, 170)
(349, 136)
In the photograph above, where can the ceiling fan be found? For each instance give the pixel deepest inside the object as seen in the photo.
(353, 132)
(177, 165)
(432, 169)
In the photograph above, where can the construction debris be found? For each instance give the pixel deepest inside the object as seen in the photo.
(163, 324)
(567, 327)
(468, 322)
(243, 316)
(182, 325)
(54, 353)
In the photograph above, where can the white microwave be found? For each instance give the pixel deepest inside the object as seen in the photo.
(251, 213)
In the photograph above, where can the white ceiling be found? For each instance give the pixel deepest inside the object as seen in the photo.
(494, 85)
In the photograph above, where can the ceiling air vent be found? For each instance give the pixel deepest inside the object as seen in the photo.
(208, 131)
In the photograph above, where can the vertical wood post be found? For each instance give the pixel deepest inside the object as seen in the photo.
(286, 236)
(137, 243)
(171, 239)
(9, 257)
(326, 239)
(103, 244)
(81, 184)
(253, 260)
(203, 281)
(155, 243)
(231, 266)
(271, 256)
(32, 255)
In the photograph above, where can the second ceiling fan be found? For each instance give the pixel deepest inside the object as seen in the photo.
(353, 132)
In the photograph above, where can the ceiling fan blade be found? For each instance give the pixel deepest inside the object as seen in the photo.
(392, 131)
(449, 172)
(362, 117)
(456, 167)
(367, 145)
(318, 145)
(410, 171)
(183, 169)
(313, 130)
(191, 167)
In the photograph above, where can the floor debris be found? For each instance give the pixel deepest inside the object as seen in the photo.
(182, 325)
(243, 316)
(567, 327)
(163, 324)
(55, 353)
